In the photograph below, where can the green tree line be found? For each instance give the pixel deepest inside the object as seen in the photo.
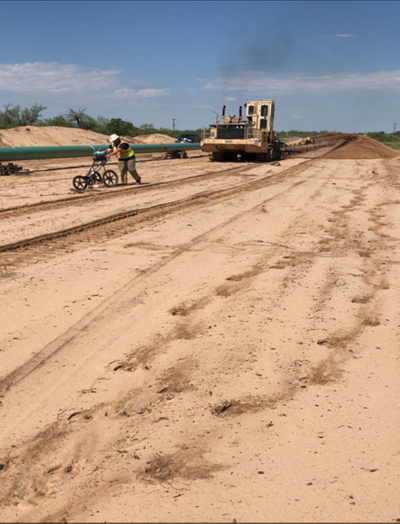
(300, 134)
(389, 139)
(15, 116)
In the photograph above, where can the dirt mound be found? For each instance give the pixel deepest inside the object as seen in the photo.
(330, 134)
(156, 138)
(32, 136)
(359, 147)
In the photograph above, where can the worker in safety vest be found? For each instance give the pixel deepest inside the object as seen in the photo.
(126, 158)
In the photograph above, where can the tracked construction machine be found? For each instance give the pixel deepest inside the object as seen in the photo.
(250, 139)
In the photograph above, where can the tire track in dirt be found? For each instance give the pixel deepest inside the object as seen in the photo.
(165, 471)
(50, 350)
(172, 384)
(184, 463)
(84, 197)
(336, 245)
(339, 243)
(31, 250)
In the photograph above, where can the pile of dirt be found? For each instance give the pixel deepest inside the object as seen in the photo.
(361, 147)
(156, 138)
(32, 136)
(329, 134)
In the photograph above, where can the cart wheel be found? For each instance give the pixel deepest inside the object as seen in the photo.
(110, 178)
(80, 182)
(93, 177)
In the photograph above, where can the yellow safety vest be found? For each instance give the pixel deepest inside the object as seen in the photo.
(128, 154)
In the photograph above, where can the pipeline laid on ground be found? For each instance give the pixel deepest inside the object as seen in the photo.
(37, 153)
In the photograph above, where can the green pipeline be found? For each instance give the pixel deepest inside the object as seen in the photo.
(36, 153)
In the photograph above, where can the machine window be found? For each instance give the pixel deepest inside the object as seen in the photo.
(264, 110)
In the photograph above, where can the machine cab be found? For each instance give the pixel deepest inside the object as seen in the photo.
(261, 114)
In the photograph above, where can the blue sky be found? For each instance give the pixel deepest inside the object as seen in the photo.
(328, 65)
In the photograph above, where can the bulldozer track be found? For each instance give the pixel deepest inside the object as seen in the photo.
(61, 343)
(82, 198)
(43, 247)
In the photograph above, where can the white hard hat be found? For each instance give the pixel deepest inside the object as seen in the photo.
(113, 137)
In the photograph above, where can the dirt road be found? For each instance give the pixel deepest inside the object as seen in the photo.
(219, 344)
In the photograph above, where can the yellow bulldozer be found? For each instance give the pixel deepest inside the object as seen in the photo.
(251, 138)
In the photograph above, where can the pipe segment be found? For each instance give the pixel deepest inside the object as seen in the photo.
(37, 153)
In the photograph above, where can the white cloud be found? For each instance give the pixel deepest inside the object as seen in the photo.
(344, 35)
(382, 81)
(53, 78)
(211, 85)
(144, 92)
(56, 80)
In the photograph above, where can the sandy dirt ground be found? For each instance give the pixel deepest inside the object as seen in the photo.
(218, 344)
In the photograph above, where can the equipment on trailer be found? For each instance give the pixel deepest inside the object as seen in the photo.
(109, 178)
(251, 139)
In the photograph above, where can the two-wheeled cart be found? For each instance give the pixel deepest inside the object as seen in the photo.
(109, 178)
